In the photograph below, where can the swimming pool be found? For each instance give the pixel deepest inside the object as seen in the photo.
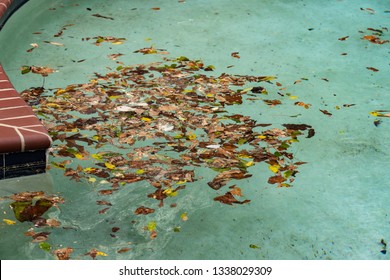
(322, 65)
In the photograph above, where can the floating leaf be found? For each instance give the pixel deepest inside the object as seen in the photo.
(143, 210)
(229, 199)
(191, 136)
(235, 54)
(276, 179)
(25, 69)
(9, 222)
(274, 168)
(375, 39)
(100, 16)
(303, 104)
(25, 211)
(97, 156)
(372, 69)
(109, 165)
(145, 119)
(170, 192)
(101, 254)
(63, 253)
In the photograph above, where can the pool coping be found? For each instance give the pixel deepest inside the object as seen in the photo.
(24, 139)
(7, 8)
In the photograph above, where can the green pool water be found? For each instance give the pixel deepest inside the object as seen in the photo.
(323, 55)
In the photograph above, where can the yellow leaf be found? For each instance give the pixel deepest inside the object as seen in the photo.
(109, 165)
(181, 182)
(246, 89)
(249, 163)
(146, 119)
(97, 156)
(267, 78)
(152, 226)
(374, 113)
(140, 172)
(78, 155)
(274, 168)
(89, 169)
(9, 222)
(92, 180)
(184, 216)
(191, 136)
(261, 136)
(60, 91)
(58, 165)
(293, 97)
(53, 105)
(102, 254)
(244, 156)
(170, 192)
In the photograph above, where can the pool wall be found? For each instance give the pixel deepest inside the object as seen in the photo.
(7, 8)
(24, 141)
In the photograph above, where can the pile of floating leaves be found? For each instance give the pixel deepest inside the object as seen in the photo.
(158, 123)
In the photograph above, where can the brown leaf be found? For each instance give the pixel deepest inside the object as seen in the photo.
(63, 253)
(100, 16)
(92, 253)
(302, 104)
(44, 71)
(143, 210)
(224, 177)
(375, 39)
(229, 199)
(103, 211)
(53, 223)
(311, 133)
(25, 211)
(276, 179)
(235, 191)
(103, 202)
(123, 250)
(325, 112)
(40, 237)
(372, 69)
(235, 54)
(153, 235)
(297, 126)
(273, 102)
(343, 38)
(106, 192)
